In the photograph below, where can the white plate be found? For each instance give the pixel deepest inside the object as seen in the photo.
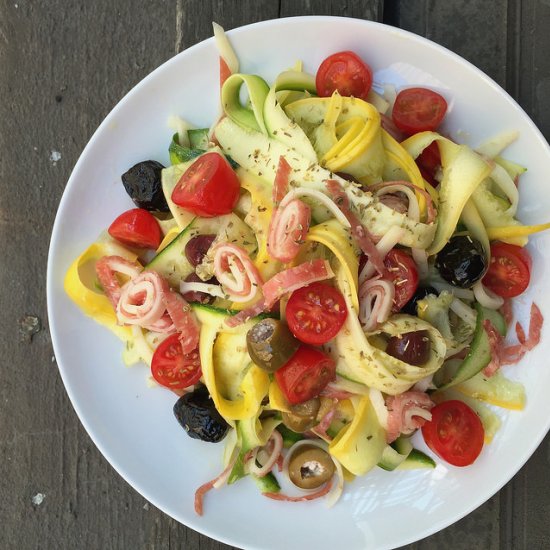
(133, 426)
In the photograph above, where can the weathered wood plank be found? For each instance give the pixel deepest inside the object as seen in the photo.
(371, 9)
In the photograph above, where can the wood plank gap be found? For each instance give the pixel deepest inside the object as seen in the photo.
(179, 26)
(391, 12)
(513, 47)
(506, 527)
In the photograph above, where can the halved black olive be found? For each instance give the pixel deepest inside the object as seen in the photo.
(420, 294)
(462, 261)
(411, 347)
(271, 344)
(197, 414)
(143, 183)
(197, 247)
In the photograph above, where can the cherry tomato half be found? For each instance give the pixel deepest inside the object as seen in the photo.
(174, 369)
(418, 109)
(315, 313)
(137, 228)
(509, 271)
(454, 433)
(305, 375)
(403, 273)
(209, 187)
(345, 72)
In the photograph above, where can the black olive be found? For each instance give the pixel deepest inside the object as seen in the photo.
(462, 261)
(420, 294)
(197, 247)
(411, 347)
(143, 183)
(196, 412)
(347, 177)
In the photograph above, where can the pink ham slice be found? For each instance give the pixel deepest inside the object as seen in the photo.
(510, 355)
(234, 270)
(225, 71)
(215, 483)
(406, 413)
(183, 319)
(288, 229)
(359, 232)
(244, 315)
(148, 301)
(292, 279)
(280, 185)
(310, 496)
(107, 268)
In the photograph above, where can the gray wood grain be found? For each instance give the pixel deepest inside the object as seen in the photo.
(63, 66)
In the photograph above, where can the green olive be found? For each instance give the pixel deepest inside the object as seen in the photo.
(303, 416)
(270, 344)
(310, 467)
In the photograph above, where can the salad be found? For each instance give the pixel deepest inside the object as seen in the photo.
(319, 275)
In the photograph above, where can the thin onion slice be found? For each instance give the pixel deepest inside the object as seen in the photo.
(466, 313)
(418, 412)
(379, 405)
(420, 257)
(326, 201)
(375, 302)
(213, 290)
(462, 293)
(486, 297)
(276, 440)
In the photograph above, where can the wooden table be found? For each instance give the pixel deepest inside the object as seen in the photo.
(63, 65)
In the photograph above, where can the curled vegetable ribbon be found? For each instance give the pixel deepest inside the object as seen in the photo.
(81, 286)
(236, 385)
(345, 132)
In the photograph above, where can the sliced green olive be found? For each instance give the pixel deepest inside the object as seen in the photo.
(270, 344)
(310, 467)
(303, 416)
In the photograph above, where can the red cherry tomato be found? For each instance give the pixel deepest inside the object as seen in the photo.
(174, 369)
(305, 375)
(315, 313)
(404, 275)
(509, 271)
(454, 433)
(429, 162)
(345, 72)
(137, 228)
(418, 109)
(209, 187)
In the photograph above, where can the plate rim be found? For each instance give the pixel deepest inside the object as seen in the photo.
(474, 503)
